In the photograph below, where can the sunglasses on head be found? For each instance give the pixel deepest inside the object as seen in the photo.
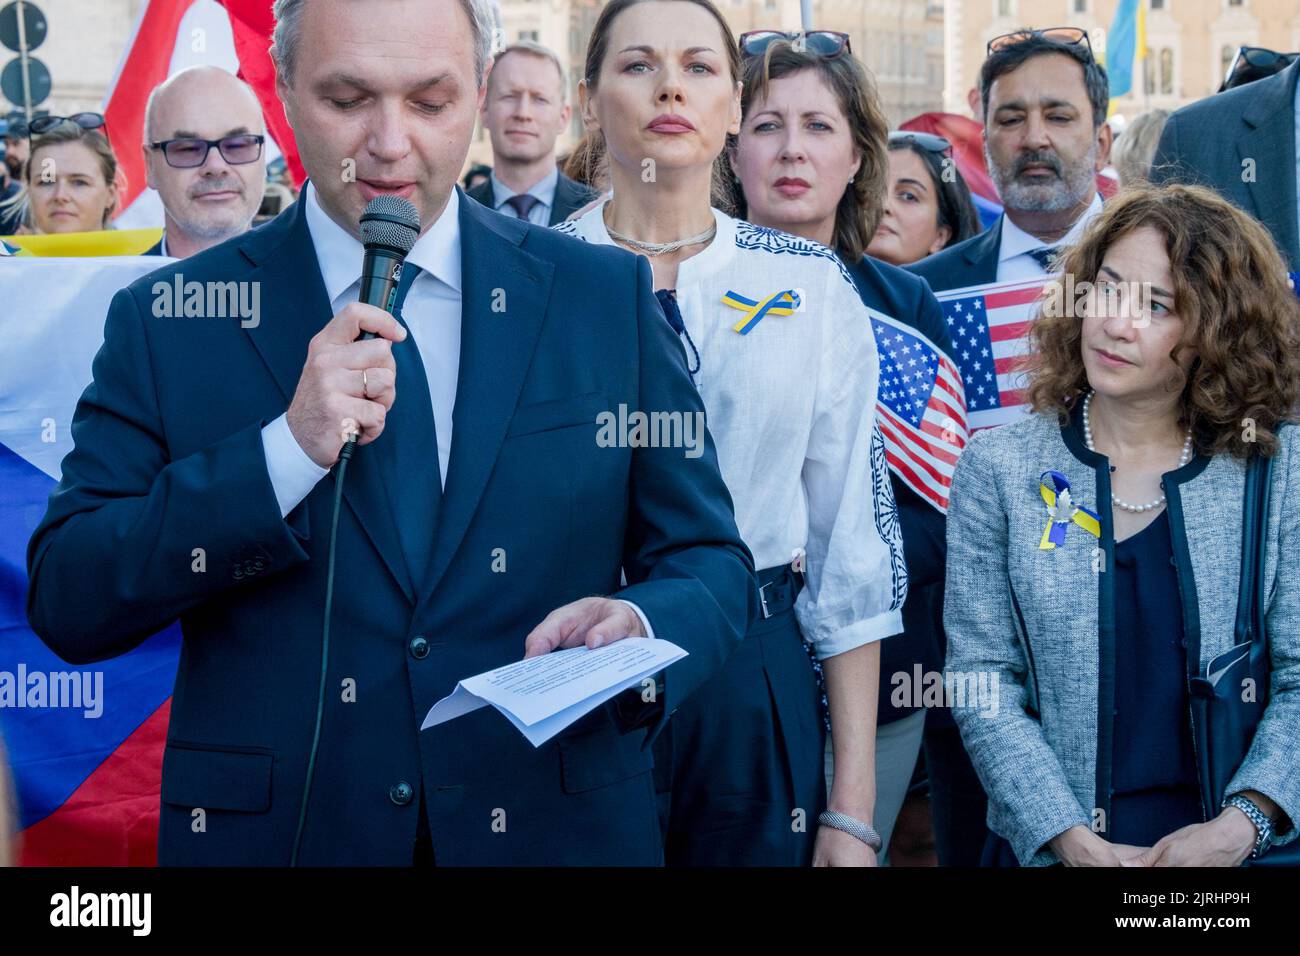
(926, 141)
(1260, 58)
(43, 124)
(824, 43)
(1074, 36)
(190, 152)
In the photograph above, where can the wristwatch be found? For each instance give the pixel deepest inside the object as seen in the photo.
(852, 826)
(1263, 825)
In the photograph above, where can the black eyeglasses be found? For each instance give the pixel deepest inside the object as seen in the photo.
(191, 152)
(1069, 35)
(824, 43)
(927, 141)
(43, 124)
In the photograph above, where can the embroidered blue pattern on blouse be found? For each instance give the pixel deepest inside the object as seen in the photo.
(886, 515)
(750, 236)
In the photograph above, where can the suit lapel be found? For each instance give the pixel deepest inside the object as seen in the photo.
(982, 254)
(286, 259)
(1269, 143)
(563, 203)
(503, 302)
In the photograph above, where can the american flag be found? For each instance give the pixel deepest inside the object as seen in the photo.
(920, 407)
(988, 325)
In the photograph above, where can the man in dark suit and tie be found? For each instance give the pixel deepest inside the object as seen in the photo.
(1244, 143)
(482, 519)
(1045, 138)
(525, 110)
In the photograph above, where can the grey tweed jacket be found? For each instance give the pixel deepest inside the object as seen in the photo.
(1041, 623)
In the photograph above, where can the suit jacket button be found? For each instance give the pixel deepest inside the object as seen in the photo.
(400, 793)
(419, 647)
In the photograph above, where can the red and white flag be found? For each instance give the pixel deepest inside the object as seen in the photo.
(169, 36)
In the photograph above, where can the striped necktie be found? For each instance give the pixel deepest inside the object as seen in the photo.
(522, 204)
(1045, 257)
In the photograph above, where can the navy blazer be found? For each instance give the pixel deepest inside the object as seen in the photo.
(972, 261)
(570, 196)
(1208, 141)
(907, 298)
(168, 469)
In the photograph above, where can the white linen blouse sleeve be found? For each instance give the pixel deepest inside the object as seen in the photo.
(856, 578)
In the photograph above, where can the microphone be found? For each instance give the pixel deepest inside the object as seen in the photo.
(389, 227)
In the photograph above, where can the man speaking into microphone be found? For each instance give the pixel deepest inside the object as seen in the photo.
(480, 520)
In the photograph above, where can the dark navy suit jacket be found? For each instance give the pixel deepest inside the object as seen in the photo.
(972, 261)
(168, 459)
(1208, 141)
(570, 196)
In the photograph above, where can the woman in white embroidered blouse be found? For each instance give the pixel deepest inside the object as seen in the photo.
(790, 393)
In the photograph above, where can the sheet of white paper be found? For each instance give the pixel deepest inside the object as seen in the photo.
(543, 695)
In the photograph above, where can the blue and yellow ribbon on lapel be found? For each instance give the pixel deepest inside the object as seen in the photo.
(1054, 488)
(785, 302)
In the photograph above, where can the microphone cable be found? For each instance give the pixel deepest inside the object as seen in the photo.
(389, 228)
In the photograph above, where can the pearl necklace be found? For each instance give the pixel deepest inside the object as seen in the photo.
(661, 248)
(1183, 459)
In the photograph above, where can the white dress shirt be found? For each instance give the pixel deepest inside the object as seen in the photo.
(1014, 261)
(544, 191)
(432, 312)
(791, 408)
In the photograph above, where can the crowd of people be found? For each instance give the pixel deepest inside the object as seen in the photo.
(773, 207)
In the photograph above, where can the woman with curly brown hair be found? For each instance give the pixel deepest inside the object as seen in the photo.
(1095, 547)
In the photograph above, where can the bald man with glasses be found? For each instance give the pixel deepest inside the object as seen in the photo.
(204, 154)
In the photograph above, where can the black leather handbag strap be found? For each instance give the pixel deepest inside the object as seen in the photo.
(1254, 535)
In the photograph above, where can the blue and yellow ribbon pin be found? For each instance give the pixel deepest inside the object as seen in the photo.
(785, 302)
(1061, 511)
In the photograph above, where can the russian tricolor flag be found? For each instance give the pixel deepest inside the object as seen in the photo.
(85, 743)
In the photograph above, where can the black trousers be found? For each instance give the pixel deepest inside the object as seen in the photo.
(958, 803)
(739, 765)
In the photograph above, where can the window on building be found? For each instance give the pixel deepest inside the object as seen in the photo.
(1226, 56)
(1167, 71)
(531, 35)
(1157, 4)
(1149, 71)
(1080, 6)
(1236, 3)
(1006, 8)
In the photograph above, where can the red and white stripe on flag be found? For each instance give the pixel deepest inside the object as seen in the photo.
(989, 326)
(921, 408)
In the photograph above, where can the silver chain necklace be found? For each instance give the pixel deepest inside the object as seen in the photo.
(660, 248)
(1183, 459)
